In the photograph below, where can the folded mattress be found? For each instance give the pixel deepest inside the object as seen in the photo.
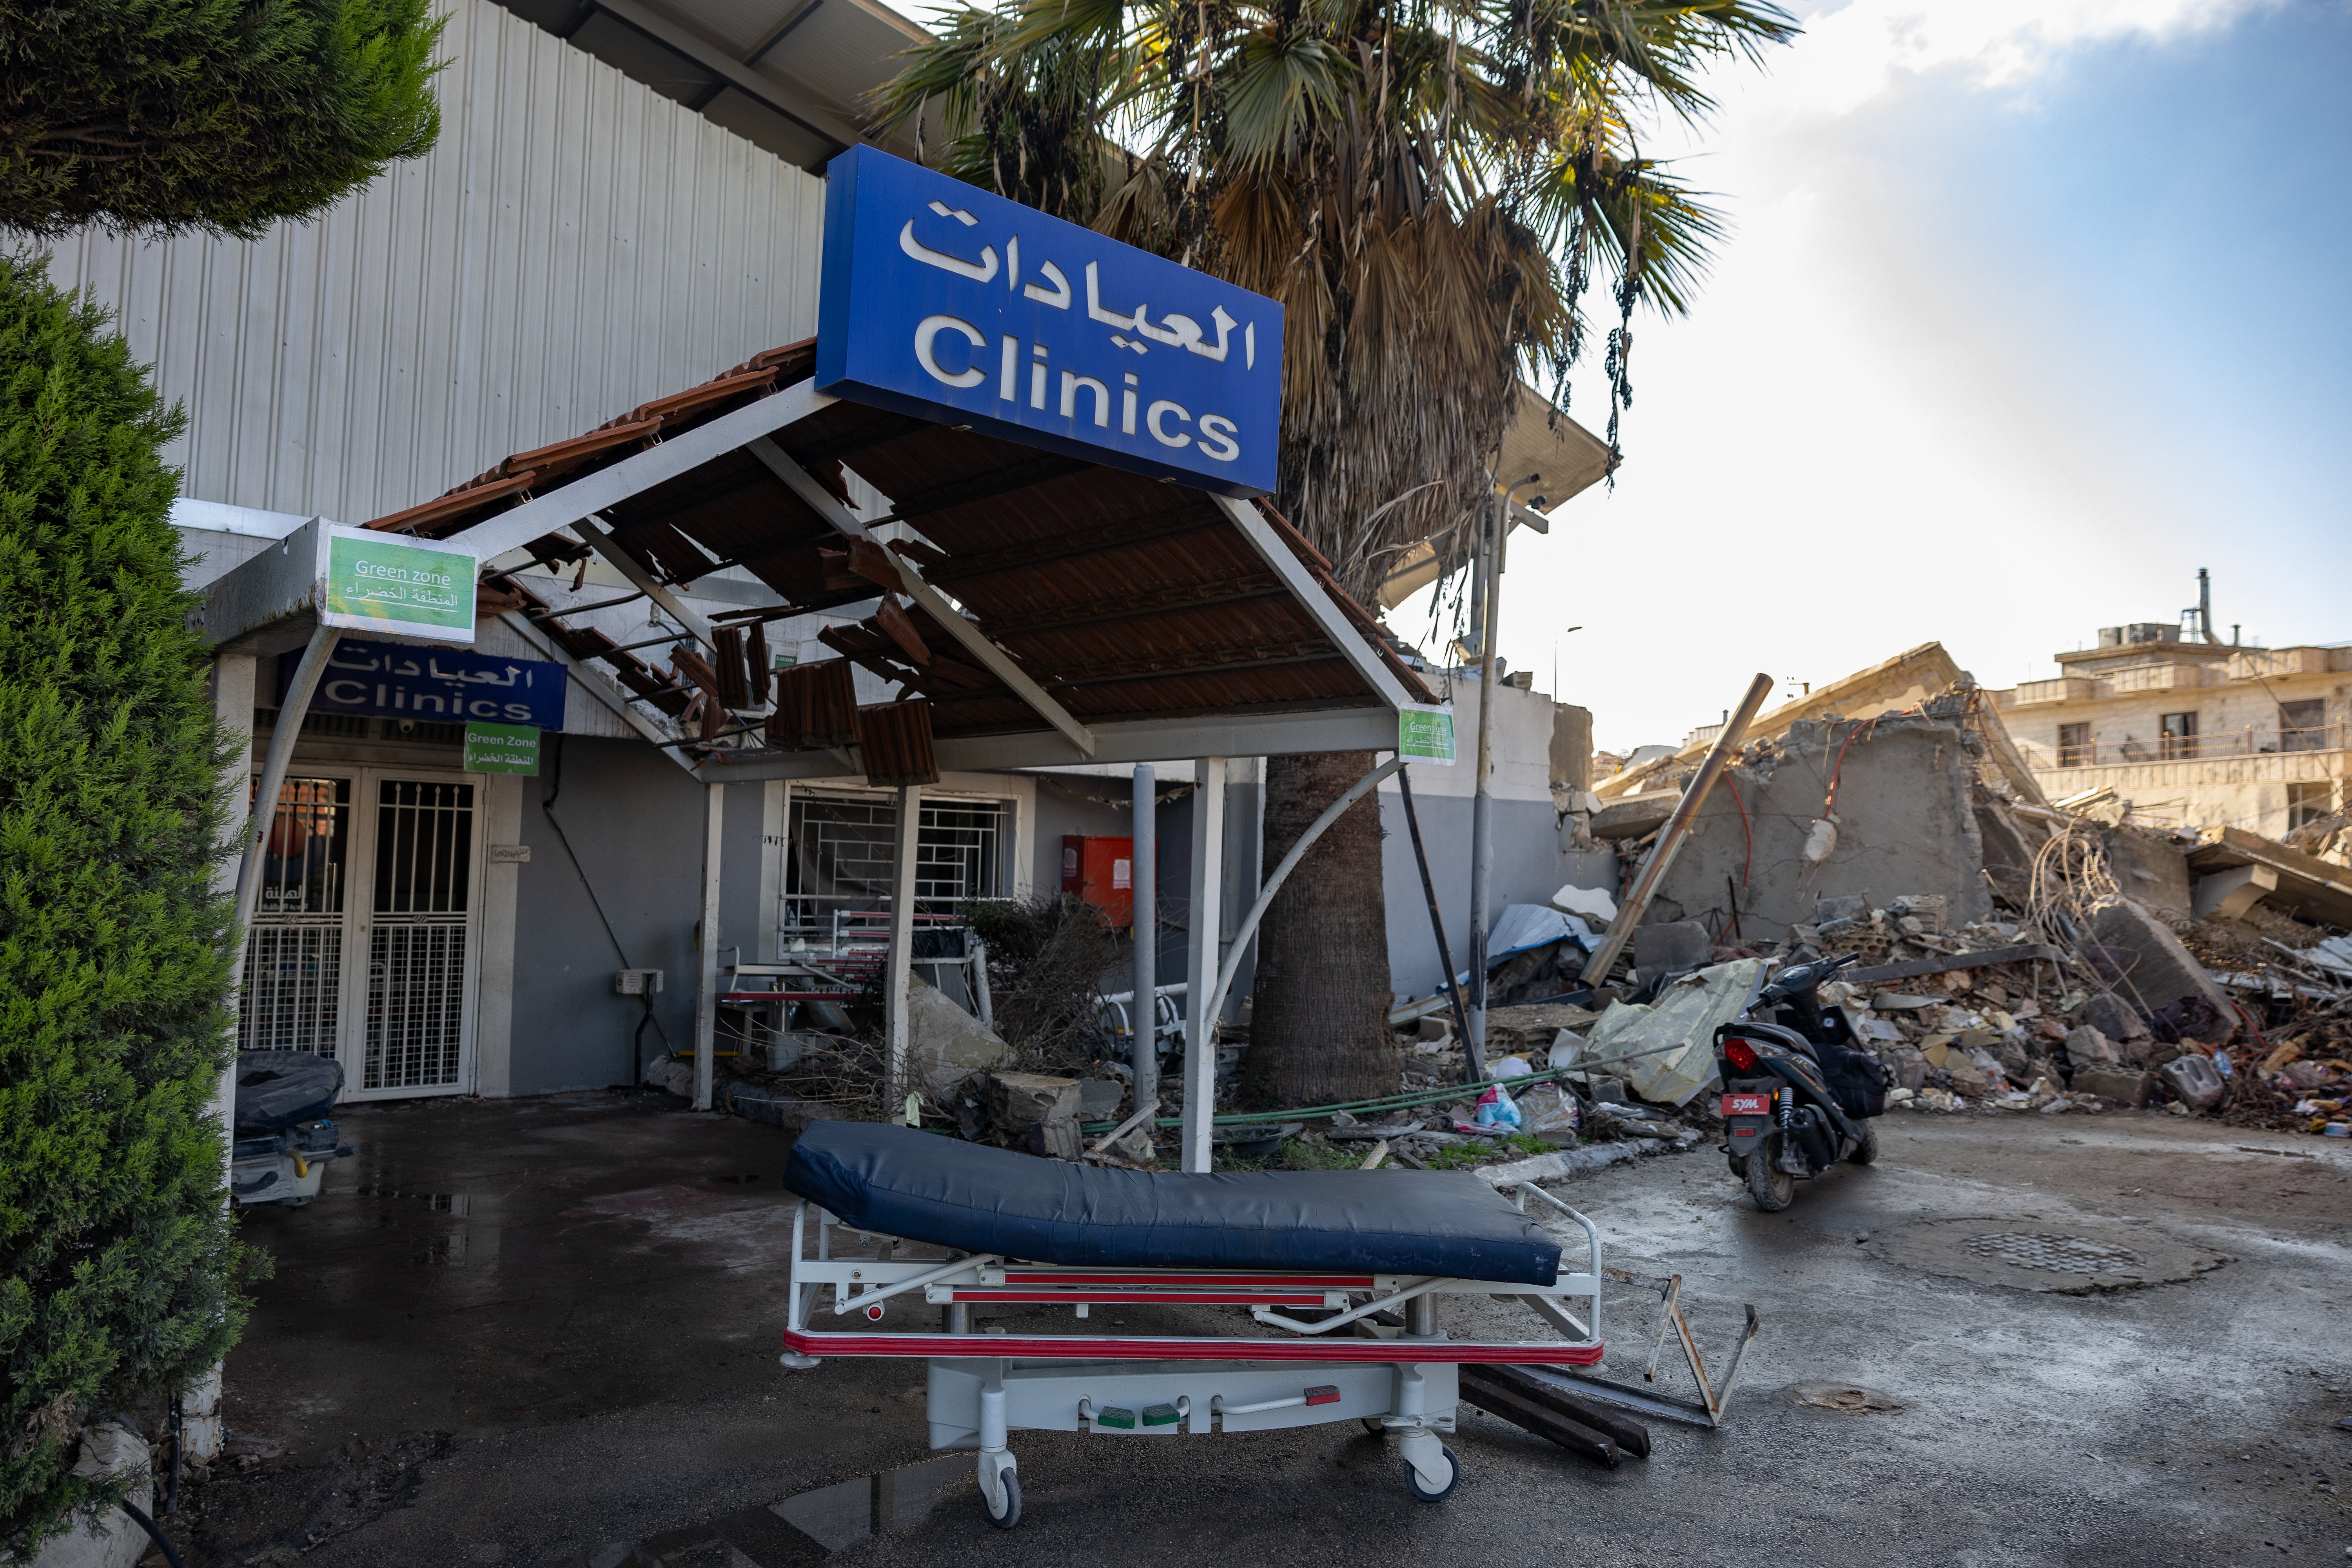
(928, 1188)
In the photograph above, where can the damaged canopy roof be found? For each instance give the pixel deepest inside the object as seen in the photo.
(1045, 608)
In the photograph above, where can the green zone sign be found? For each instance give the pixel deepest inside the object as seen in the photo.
(1426, 734)
(501, 748)
(370, 582)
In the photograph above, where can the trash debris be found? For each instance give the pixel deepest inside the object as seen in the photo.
(1683, 1020)
(1843, 1397)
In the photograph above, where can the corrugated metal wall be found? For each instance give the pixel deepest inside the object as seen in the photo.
(575, 244)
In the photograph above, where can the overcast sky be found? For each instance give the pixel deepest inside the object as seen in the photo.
(2032, 307)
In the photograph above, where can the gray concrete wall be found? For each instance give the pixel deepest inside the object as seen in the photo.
(1905, 825)
(1529, 867)
(634, 822)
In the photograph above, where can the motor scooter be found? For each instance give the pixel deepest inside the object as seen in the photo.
(1798, 1093)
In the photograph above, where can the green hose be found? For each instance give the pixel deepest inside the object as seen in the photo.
(1397, 1101)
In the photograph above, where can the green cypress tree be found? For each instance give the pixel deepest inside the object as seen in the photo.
(213, 115)
(119, 1269)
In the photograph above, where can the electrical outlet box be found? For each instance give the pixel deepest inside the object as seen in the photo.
(636, 981)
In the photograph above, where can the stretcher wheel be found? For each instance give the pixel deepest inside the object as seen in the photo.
(1373, 1424)
(1453, 1480)
(1011, 1481)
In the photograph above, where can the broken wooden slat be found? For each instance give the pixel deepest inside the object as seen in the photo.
(1628, 1434)
(1495, 1398)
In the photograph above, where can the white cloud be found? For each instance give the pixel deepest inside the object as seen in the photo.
(1861, 441)
(1854, 54)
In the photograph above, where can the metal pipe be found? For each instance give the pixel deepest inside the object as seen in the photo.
(1677, 828)
(706, 990)
(258, 825)
(898, 986)
(1201, 960)
(1436, 917)
(1314, 830)
(1143, 1034)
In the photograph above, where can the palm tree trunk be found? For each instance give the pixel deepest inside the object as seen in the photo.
(1319, 1025)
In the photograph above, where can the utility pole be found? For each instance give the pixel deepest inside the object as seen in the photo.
(1482, 819)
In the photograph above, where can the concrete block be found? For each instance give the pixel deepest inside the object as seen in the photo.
(945, 1045)
(2087, 1048)
(2112, 1019)
(2122, 1087)
(1635, 815)
(2229, 895)
(2195, 1080)
(1929, 909)
(1099, 1096)
(1020, 1100)
(2159, 969)
(1671, 944)
(1853, 907)
(1435, 1026)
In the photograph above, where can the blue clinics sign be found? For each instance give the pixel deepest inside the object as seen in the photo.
(941, 301)
(439, 684)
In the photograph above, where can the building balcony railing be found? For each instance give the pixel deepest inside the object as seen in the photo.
(2220, 745)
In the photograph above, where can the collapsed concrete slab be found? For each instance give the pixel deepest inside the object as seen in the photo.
(945, 1045)
(2157, 969)
(1906, 825)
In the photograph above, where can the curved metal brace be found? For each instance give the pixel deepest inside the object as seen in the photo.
(1216, 1000)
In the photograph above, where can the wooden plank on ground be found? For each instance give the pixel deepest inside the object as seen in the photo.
(1497, 1397)
(1628, 1434)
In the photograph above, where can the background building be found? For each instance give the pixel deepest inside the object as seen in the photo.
(2194, 733)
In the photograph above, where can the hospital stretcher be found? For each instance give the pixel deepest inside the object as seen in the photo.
(1340, 1274)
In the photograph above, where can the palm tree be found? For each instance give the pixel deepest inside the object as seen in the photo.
(1428, 187)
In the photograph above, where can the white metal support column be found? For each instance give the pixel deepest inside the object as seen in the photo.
(233, 678)
(896, 988)
(1201, 994)
(706, 993)
(776, 827)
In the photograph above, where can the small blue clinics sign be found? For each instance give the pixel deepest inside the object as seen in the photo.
(941, 301)
(440, 684)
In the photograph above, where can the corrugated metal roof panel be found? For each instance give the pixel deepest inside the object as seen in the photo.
(574, 239)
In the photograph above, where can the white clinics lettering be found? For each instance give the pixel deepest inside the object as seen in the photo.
(932, 326)
(1071, 383)
(979, 271)
(1217, 443)
(1159, 411)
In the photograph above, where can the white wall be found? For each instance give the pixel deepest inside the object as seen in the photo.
(575, 245)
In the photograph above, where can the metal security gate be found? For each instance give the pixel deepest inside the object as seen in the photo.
(294, 960)
(364, 939)
(419, 943)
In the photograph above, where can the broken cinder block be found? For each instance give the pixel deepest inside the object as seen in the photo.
(1046, 1107)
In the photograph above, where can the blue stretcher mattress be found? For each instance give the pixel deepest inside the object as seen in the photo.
(928, 1187)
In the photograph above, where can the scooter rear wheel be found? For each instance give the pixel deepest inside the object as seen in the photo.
(1772, 1188)
(1866, 1151)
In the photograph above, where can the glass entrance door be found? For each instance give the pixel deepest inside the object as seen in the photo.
(364, 936)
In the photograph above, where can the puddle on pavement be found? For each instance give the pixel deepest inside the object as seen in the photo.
(458, 1203)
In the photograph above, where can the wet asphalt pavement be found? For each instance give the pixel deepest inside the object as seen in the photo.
(544, 1332)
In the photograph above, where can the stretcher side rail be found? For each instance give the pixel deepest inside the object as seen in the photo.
(863, 1287)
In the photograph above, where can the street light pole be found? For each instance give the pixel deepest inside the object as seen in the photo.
(1482, 819)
